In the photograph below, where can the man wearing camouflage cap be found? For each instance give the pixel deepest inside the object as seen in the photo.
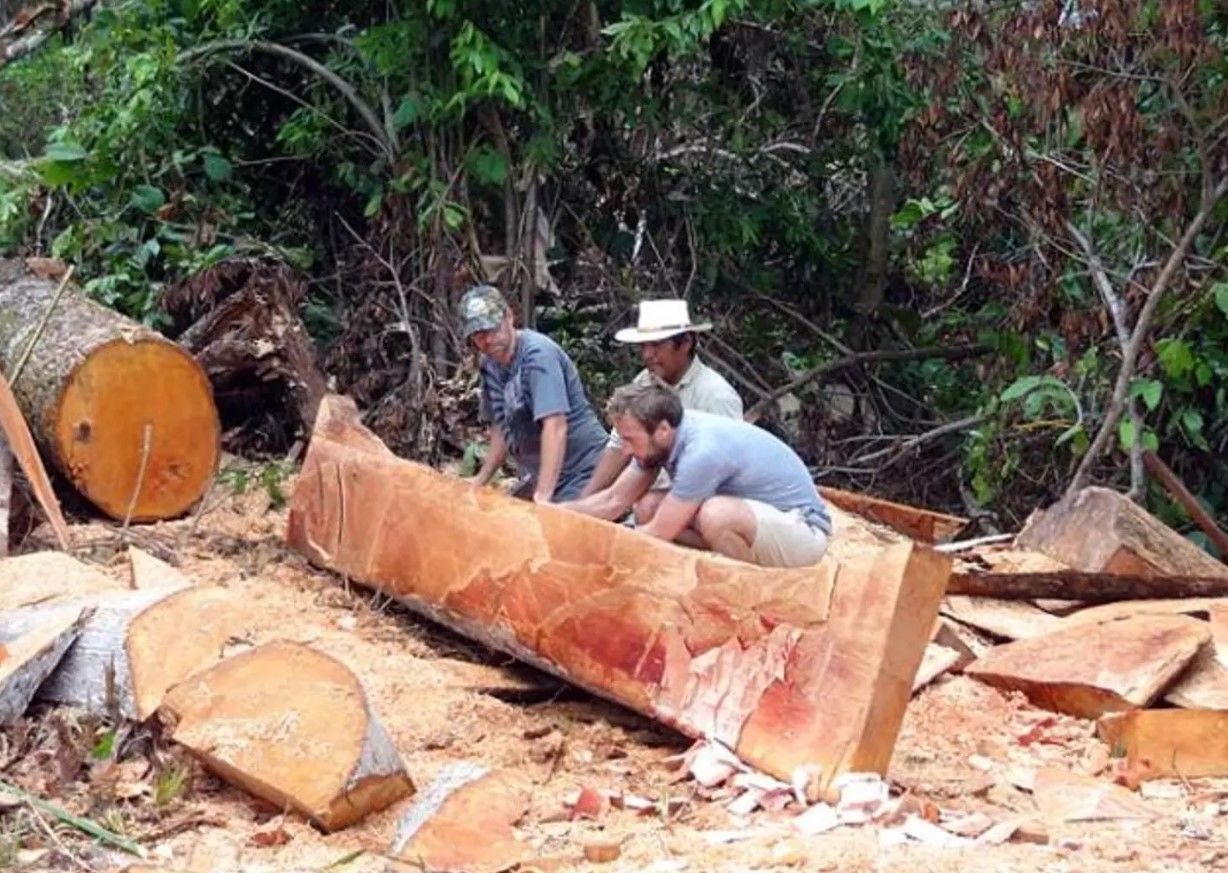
(534, 401)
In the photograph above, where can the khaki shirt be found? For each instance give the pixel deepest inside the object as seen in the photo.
(700, 388)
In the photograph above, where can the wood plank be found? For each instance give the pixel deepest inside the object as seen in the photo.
(1098, 587)
(149, 572)
(1009, 619)
(922, 525)
(21, 444)
(802, 671)
(1199, 607)
(28, 656)
(1071, 797)
(1204, 684)
(1099, 530)
(292, 726)
(1161, 743)
(1092, 669)
(935, 661)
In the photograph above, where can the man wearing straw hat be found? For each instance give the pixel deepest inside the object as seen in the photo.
(667, 339)
(533, 399)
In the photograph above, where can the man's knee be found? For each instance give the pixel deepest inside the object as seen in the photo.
(721, 515)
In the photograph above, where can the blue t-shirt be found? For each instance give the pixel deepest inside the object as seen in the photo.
(713, 455)
(539, 382)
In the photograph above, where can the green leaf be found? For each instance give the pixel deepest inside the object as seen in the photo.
(1151, 442)
(1220, 291)
(66, 152)
(408, 112)
(1019, 387)
(1069, 434)
(1126, 434)
(217, 168)
(489, 166)
(148, 198)
(1150, 390)
(104, 747)
(1175, 357)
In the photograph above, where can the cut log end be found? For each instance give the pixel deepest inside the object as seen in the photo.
(292, 726)
(138, 413)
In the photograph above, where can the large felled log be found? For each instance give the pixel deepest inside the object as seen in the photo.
(803, 672)
(28, 655)
(1159, 743)
(292, 726)
(1098, 530)
(1092, 669)
(138, 644)
(923, 525)
(126, 415)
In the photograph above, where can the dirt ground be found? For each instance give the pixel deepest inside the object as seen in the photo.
(963, 746)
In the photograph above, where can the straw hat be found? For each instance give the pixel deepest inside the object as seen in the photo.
(660, 319)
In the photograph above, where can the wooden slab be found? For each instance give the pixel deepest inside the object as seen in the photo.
(148, 572)
(292, 726)
(464, 822)
(1099, 530)
(1009, 619)
(922, 525)
(21, 443)
(27, 658)
(1204, 684)
(804, 672)
(1092, 669)
(1159, 743)
(46, 577)
(1194, 606)
(1070, 797)
(138, 644)
(934, 662)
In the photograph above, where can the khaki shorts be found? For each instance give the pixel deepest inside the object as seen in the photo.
(784, 539)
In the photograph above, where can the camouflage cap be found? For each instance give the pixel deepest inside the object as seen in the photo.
(482, 308)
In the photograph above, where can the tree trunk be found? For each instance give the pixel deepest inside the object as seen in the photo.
(1085, 587)
(291, 726)
(803, 672)
(124, 414)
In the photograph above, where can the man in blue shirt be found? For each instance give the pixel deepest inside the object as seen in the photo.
(734, 488)
(533, 399)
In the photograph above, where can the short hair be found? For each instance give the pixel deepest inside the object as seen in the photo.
(648, 404)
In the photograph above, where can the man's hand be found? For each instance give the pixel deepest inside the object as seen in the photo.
(539, 497)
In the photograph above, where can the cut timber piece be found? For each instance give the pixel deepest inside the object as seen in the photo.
(1159, 743)
(1204, 684)
(464, 822)
(967, 643)
(1098, 587)
(1071, 797)
(1195, 606)
(27, 659)
(45, 577)
(150, 573)
(803, 671)
(935, 661)
(1098, 530)
(1089, 670)
(21, 444)
(1004, 618)
(112, 404)
(922, 525)
(292, 726)
(138, 644)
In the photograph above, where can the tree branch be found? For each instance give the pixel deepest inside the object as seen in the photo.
(30, 43)
(950, 353)
(1141, 328)
(386, 138)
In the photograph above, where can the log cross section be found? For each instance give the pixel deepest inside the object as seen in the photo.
(805, 673)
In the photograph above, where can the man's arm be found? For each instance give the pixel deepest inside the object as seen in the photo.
(613, 502)
(672, 518)
(609, 466)
(554, 446)
(496, 454)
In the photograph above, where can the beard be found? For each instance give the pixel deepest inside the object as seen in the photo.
(655, 459)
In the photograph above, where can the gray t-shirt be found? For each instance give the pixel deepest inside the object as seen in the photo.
(539, 382)
(717, 455)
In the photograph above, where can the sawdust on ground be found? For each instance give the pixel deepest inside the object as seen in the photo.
(963, 745)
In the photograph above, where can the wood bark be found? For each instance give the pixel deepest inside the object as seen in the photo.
(923, 525)
(803, 672)
(1085, 587)
(126, 415)
(1162, 743)
(29, 654)
(1098, 530)
(1088, 670)
(293, 727)
(138, 644)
